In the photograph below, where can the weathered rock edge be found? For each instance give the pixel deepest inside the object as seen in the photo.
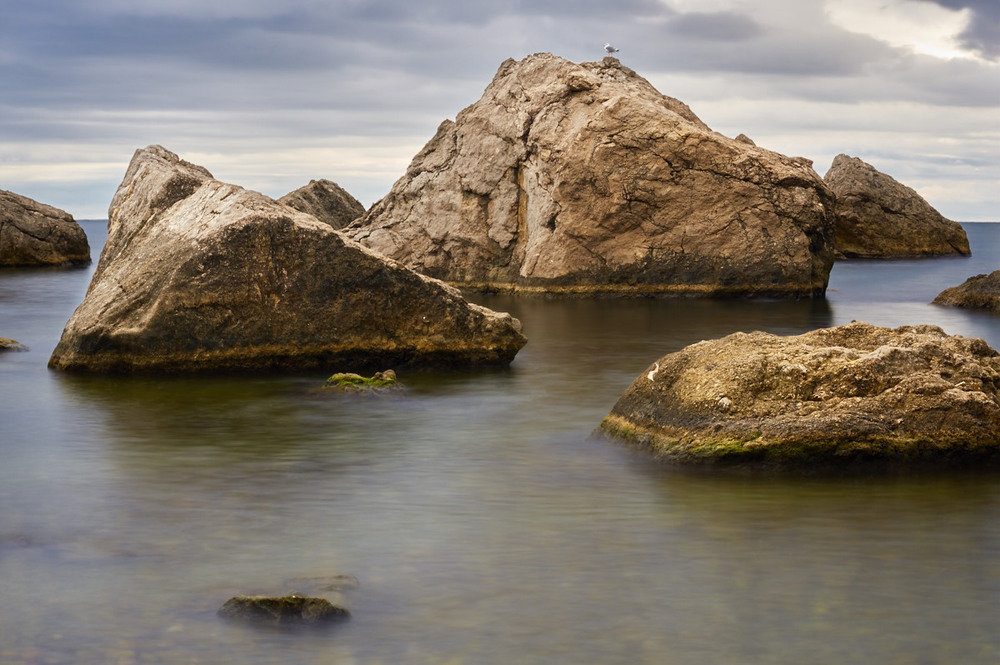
(977, 292)
(282, 610)
(832, 397)
(200, 275)
(35, 234)
(878, 217)
(583, 178)
(326, 201)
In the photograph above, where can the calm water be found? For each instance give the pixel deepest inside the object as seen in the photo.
(482, 522)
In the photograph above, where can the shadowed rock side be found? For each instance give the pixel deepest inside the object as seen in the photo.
(198, 274)
(583, 178)
(326, 201)
(854, 393)
(876, 216)
(35, 234)
(978, 292)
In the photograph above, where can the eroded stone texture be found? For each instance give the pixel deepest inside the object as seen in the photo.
(35, 234)
(876, 216)
(571, 177)
(201, 275)
(326, 201)
(856, 392)
(977, 292)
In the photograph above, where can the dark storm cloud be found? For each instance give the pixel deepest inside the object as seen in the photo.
(720, 26)
(983, 33)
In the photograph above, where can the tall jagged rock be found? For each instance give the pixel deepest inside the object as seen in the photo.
(35, 234)
(583, 178)
(201, 275)
(876, 216)
(326, 201)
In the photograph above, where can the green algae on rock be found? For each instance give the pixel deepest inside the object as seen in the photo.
(282, 610)
(355, 383)
(851, 394)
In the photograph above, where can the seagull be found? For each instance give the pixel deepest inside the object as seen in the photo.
(610, 49)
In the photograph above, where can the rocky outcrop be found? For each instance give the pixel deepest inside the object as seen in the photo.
(198, 274)
(583, 178)
(348, 382)
(35, 234)
(281, 610)
(978, 292)
(853, 393)
(8, 344)
(876, 216)
(326, 201)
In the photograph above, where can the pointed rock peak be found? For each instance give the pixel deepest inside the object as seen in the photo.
(326, 201)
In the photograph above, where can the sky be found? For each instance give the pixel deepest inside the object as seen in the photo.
(270, 94)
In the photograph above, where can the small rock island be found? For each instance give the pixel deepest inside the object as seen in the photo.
(978, 292)
(855, 393)
(35, 234)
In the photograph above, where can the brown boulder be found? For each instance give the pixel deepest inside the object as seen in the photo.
(198, 274)
(281, 610)
(583, 178)
(978, 292)
(8, 344)
(326, 201)
(876, 216)
(35, 234)
(856, 392)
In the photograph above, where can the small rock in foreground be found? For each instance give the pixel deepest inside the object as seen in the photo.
(8, 344)
(978, 292)
(912, 395)
(282, 610)
(355, 383)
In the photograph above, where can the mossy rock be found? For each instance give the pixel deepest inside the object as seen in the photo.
(282, 610)
(8, 344)
(355, 383)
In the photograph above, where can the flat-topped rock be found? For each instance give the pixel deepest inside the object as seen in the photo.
(854, 393)
(878, 217)
(200, 275)
(977, 292)
(35, 234)
(583, 178)
(326, 201)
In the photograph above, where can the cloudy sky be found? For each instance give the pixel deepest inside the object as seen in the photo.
(271, 93)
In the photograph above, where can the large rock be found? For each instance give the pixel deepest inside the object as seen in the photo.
(571, 177)
(35, 234)
(856, 392)
(198, 274)
(326, 201)
(876, 216)
(978, 292)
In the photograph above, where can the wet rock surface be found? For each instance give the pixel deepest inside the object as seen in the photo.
(201, 275)
(282, 610)
(326, 201)
(35, 234)
(835, 396)
(978, 292)
(583, 178)
(876, 216)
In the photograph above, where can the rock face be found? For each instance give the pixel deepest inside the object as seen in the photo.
(852, 393)
(326, 201)
(281, 610)
(879, 217)
(35, 234)
(583, 178)
(978, 292)
(198, 274)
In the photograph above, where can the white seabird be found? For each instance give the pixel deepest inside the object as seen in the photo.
(610, 49)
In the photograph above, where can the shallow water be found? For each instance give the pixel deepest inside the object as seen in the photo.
(481, 520)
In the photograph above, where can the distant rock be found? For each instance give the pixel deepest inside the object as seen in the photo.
(35, 234)
(582, 178)
(878, 217)
(979, 292)
(326, 201)
(282, 610)
(200, 275)
(743, 138)
(8, 344)
(854, 393)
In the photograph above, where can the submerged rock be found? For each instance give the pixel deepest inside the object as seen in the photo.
(978, 292)
(876, 216)
(8, 344)
(852, 393)
(583, 178)
(326, 201)
(355, 383)
(35, 234)
(282, 610)
(201, 275)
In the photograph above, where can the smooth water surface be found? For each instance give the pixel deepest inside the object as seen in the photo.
(481, 520)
